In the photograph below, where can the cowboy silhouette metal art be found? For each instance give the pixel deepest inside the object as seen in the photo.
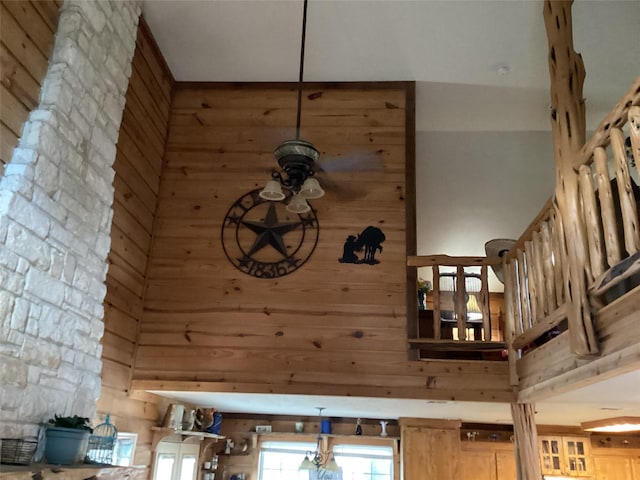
(369, 240)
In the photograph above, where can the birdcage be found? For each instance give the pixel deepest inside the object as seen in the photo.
(102, 443)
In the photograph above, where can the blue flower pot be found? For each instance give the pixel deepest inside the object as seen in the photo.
(66, 446)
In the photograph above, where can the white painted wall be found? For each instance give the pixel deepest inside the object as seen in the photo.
(476, 186)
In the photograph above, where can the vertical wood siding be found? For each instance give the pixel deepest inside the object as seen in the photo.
(205, 319)
(27, 31)
(138, 165)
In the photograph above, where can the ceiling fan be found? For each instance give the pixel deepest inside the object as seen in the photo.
(299, 160)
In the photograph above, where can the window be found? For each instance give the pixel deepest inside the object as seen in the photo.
(125, 448)
(280, 461)
(363, 462)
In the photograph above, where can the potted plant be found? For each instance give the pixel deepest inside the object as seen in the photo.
(67, 440)
(424, 286)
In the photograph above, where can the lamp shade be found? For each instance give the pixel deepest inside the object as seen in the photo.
(473, 308)
(311, 189)
(298, 204)
(307, 464)
(272, 191)
(331, 465)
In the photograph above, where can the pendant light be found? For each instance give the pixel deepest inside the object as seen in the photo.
(319, 460)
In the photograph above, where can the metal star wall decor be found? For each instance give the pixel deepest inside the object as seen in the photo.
(264, 240)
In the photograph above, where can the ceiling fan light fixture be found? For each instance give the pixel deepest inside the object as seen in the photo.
(311, 189)
(298, 204)
(272, 191)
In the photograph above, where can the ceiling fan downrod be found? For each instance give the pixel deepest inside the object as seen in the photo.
(301, 68)
(297, 158)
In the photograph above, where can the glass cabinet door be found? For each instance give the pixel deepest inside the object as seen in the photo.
(576, 456)
(550, 455)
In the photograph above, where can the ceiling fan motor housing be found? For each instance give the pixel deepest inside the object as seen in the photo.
(298, 160)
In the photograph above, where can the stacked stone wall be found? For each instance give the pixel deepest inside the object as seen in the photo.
(55, 219)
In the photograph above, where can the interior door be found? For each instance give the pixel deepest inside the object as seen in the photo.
(176, 461)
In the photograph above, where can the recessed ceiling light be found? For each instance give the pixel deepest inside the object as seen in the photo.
(613, 425)
(503, 69)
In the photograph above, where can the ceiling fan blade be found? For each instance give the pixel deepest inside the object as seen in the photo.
(341, 191)
(357, 161)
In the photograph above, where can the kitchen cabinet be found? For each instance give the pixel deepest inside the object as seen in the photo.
(565, 456)
(487, 461)
(477, 465)
(429, 448)
(506, 465)
(616, 464)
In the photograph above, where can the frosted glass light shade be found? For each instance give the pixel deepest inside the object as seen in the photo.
(298, 204)
(272, 191)
(311, 189)
(331, 465)
(306, 464)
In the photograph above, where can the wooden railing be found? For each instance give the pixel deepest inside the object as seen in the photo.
(539, 290)
(455, 305)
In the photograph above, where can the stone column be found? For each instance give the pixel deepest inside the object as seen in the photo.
(55, 220)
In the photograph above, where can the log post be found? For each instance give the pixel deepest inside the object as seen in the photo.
(461, 303)
(634, 133)
(484, 303)
(627, 200)
(525, 300)
(526, 441)
(437, 332)
(510, 303)
(566, 71)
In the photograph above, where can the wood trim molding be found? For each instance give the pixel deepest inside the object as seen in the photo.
(429, 423)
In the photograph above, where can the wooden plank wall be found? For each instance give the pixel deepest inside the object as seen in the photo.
(329, 327)
(27, 30)
(138, 165)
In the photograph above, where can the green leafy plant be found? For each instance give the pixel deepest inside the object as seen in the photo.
(75, 422)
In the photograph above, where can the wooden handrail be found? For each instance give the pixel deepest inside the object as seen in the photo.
(616, 119)
(450, 261)
(543, 215)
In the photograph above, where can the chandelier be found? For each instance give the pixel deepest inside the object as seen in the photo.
(296, 158)
(321, 460)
